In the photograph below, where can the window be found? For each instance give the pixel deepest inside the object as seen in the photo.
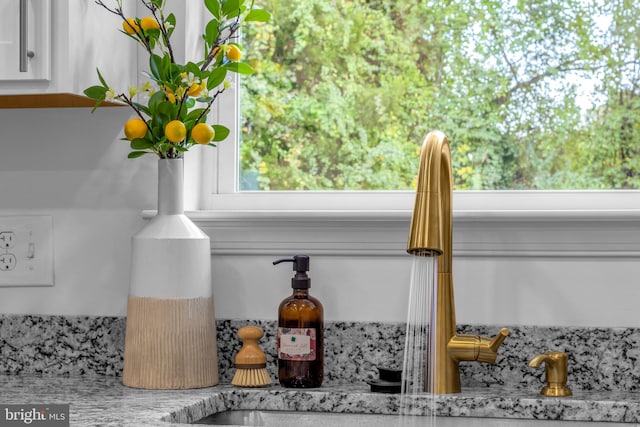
(533, 95)
(521, 150)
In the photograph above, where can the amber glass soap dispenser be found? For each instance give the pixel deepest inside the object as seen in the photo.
(300, 332)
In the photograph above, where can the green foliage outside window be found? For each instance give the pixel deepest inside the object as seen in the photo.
(345, 91)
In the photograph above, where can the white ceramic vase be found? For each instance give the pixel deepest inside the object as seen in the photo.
(170, 340)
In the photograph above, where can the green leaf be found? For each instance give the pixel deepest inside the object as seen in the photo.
(134, 154)
(98, 102)
(211, 32)
(96, 92)
(214, 7)
(104, 83)
(165, 67)
(157, 132)
(192, 68)
(221, 132)
(141, 144)
(193, 114)
(155, 101)
(216, 77)
(155, 65)
(231, 8)
(239, 67)
(153, 33)
(167, 109)
(259, 15)
(174, 71)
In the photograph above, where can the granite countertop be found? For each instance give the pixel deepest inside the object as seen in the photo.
(77, 360)
(104, 401)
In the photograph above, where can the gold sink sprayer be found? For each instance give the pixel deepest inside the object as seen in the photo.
(431, 235)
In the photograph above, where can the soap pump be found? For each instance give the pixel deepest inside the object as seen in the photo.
(300, 331)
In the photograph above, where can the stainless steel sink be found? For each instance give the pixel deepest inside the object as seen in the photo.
(329, 419)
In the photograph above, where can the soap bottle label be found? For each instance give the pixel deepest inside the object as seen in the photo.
(297, 344)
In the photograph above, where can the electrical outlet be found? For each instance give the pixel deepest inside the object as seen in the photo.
(7, 239)
(26, 250)
(7, 262)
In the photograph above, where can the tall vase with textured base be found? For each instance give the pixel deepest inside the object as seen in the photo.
(170, 340)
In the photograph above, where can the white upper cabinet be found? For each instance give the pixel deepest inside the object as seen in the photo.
(25, 48)
(64, 42)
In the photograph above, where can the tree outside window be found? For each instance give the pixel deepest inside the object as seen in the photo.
(533, 95)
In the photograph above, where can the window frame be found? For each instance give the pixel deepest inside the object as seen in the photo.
(219, 189)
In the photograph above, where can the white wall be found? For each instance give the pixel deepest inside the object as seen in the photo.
(70, 164)
(508, 291)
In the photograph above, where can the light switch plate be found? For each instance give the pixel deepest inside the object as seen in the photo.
(26, 250)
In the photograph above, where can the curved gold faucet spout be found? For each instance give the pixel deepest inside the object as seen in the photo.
(431, 229)
(431, 234)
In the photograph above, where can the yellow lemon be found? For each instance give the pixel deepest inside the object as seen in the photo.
(170, 95)
(148, 23)
(135, 128)
(130, 26)
(195, 90)
(202, 133)
(233, 53)
(175, 131)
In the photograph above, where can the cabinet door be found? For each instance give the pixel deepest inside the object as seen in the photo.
(25, 39)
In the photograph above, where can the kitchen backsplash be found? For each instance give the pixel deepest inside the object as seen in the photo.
(599, 358)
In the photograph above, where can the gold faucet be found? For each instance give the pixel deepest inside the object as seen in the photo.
(431, 235)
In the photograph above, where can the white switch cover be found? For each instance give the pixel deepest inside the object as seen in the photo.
(26, 250)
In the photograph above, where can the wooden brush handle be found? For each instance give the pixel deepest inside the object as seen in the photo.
(250, 355)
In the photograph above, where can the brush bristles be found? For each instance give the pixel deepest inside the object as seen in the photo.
(258, 377)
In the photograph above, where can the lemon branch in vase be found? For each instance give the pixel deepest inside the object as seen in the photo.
(172, 106)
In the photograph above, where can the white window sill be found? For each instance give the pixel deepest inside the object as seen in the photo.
(501, 224)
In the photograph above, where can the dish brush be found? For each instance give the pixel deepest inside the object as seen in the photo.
(250, 362)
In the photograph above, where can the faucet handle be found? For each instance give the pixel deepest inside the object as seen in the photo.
(497, 341)
(556, 373)
(488, 348)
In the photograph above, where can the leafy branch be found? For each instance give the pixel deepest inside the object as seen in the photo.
(179, 97)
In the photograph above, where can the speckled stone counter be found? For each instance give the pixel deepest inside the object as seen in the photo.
(103, 401)
(78, 360)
